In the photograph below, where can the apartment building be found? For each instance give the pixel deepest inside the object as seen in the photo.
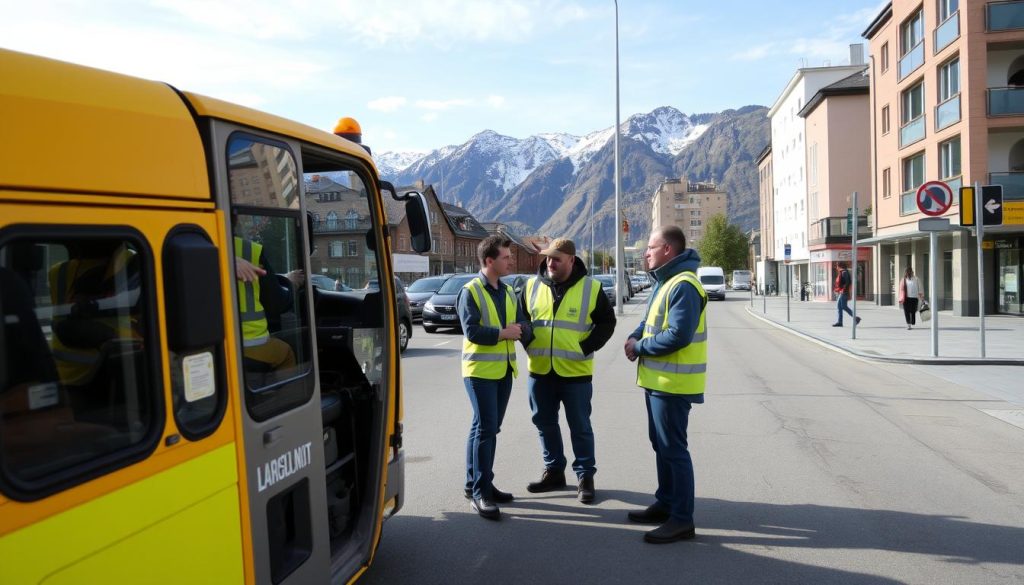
(766, 265)
(688, 205)
(838, 131)
(789, 160)
(947, 103)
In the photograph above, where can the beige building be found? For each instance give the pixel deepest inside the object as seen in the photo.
(766, 268)
(947, 103)
(838, 151)
(687, 205)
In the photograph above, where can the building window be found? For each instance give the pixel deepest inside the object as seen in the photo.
(949, 158)
(885, 120)
(813, 155)
(886, 183)
(332, 221)
(403, 243)
(912, 102)
(949, 80)
(351, 218)
(885, 57)
(912, 32)
(947, 8)
(353, 248)
(913, 172)
(335, 249)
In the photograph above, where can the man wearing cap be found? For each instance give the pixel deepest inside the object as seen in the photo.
(571, 319)
(671, 344)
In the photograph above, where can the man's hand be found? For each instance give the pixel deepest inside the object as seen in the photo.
(247, 271)
(630, 348)
(513, 332)
(296, 277)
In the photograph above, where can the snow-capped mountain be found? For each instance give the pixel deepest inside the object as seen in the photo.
(546, 180)
(391, 163)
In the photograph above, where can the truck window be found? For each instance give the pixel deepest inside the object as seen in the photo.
(269, 263)
(79, 394)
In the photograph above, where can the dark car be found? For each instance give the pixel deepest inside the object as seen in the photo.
(404, 310)
(419, 292)
(516, 281)
(608, 286)
(440, 310)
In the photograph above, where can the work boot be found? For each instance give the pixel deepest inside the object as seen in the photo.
(585, 490)
(550, 480)
(670, 531)
(497, 495)
(486, 508)
(656, 513)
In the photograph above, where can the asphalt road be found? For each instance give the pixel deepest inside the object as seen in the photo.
(811, 467)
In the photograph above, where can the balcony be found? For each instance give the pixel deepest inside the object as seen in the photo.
(1013, 185)
(947, 113)
(1005, 101)
(912, 131)
(1000, 16)
(912, 60)
(947, 32)
(908, 202)
(831, 230)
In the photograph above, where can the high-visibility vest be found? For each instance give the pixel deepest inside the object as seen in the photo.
(488, 361)
(682, 371)
(255, 330)
(558, 335)
(77, 364)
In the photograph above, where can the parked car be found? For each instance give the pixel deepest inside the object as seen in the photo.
(440, 310)
(322, 282)
(608, 286)
(420, 291)
(741, 279)
(712, 278)
(516, 281)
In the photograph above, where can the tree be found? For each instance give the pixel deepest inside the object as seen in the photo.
(723, 245)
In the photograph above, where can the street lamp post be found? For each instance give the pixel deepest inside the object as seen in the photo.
(618, 213)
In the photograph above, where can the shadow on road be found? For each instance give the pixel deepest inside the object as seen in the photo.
(430, 351)
(552, 539)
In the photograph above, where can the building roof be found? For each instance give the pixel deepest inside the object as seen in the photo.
(462, 222)
(764, 153)
(496, 227)
(855, 84)
(882, 18)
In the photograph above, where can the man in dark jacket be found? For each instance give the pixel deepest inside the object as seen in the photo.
(571, 319)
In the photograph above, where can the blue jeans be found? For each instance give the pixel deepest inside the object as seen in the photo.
(489, 399)
(667, 417)
(842, 305)
(545, 395)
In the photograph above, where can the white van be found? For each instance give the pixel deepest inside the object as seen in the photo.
(741, 280)
(712, 278)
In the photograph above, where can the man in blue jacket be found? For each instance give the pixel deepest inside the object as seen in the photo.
(671, 346)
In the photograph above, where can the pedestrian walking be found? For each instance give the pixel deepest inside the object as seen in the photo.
(842, 289)
(671, 345)
(910, 293)
(571, 319)
(492, 321)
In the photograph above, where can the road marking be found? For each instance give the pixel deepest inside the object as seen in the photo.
(442, 343)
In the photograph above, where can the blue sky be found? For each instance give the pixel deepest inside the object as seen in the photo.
(420, 75)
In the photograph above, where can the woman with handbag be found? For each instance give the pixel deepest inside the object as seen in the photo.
(910, 292)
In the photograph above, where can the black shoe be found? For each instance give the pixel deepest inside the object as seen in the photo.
(837, 324)
(550, 480)
(497, 495)
(486, 508)
(585, 490)
(670, 531)
(653, 514)
(858, 320)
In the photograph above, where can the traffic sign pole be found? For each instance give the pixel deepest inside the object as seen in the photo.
(933, 246)
(980, 226)
(853, 284)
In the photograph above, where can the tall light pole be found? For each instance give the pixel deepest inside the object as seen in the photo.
(591, 268)
(618, 213)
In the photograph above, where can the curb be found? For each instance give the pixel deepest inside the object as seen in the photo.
(938, 361)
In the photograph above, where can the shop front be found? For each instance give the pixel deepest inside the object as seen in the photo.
(825, 268)
(1009, 275)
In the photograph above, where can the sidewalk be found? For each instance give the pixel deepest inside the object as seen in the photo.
(883, 336)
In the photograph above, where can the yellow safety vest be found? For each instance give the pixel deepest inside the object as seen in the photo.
(77, 364)
(557, 336)
(255, 330)
(684, 370)
(489, 361)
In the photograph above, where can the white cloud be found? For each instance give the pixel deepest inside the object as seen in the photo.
(387, 104)
(429, 117)
(496, 101)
